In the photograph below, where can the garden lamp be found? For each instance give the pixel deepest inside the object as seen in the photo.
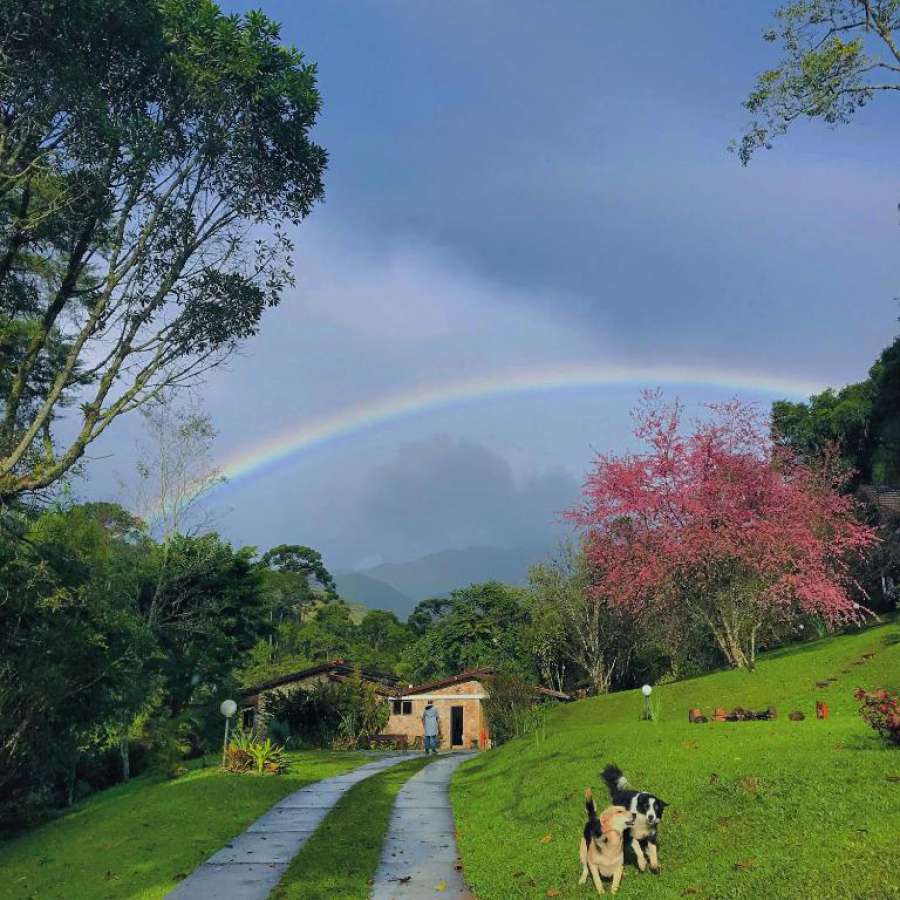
(228, 709)
(646, 690)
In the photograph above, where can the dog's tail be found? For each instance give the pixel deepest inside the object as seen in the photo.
(615, 779)
(589, 805)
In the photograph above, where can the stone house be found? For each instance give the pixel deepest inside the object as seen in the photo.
(458, 700)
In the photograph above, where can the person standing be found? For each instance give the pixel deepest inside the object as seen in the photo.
(432, 726)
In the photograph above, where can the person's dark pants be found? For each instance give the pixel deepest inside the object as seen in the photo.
(431, 743)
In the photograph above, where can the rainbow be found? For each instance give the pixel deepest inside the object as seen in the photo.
(293, 441)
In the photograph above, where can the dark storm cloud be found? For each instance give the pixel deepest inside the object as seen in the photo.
(443, 492)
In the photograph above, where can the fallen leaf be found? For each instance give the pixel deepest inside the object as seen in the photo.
(553, 892)
(441, 886)
(750, 784)
(690, 745)
(546, 838)
(744, 864)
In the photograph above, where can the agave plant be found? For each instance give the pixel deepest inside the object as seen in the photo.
(247, 752)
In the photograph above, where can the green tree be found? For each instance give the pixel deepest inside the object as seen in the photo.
(481, 625)
(209, 613)
(598, 637)
(144, 145)
(73, 648)
(296, 581)
(836, 56)
(862, 420)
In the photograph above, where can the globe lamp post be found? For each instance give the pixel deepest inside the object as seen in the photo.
(646, 690)
(228, 709)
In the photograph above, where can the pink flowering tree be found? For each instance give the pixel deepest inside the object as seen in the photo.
(721, 528)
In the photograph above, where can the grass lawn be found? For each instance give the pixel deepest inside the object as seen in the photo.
(341, 858)
(136, 840)
(776, 809)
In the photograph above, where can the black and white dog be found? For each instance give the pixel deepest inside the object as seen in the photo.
(648, 810)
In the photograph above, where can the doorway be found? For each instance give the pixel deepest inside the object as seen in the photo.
(456, 726)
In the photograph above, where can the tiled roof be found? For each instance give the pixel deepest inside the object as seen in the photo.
(339, 668)
(472, 675)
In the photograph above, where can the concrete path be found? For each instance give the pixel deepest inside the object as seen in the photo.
(253, 863)
(419, 857)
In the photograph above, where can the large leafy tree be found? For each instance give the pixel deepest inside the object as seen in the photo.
(481, 625)
(596, 634)
(722, 528)
(74, 651)
(208, 613)
(836, 56)
(862, 420)
(152, 153)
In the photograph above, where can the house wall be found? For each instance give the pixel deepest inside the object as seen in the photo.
(468, 695)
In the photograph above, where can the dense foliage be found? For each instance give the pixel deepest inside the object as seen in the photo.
(342, 715)
(115, 649)
(142, 143)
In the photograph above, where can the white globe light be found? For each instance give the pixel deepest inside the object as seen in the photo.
(228, 708)
(646, 690)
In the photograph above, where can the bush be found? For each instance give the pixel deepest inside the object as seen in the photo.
(511, 708)
(881, 709)
(342, 716)
(247, 752)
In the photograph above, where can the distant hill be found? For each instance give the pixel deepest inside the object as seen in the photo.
(398, 587)
(363, 590)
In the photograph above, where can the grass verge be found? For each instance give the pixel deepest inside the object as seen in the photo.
(340, 859)
(776, 809)
(137, 840)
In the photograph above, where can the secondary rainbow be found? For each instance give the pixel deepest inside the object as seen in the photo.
(425, 398)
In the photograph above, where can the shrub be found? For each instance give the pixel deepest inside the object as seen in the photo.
(247, 752)
(881, 709)
(511, 709)
(343, 716)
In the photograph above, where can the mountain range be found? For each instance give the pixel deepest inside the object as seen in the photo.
(398, 587)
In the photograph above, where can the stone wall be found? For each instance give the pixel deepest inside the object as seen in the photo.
(468, 695)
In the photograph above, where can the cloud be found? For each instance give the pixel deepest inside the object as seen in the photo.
(445, 492)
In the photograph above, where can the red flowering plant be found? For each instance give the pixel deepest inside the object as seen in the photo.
(881, 709)
(721, 528)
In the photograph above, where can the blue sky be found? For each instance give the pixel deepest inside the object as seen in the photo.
(531, 183)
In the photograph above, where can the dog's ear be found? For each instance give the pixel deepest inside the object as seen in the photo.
(662, 803)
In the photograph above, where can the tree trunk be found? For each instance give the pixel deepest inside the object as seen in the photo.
(123, 750)
(730, 645)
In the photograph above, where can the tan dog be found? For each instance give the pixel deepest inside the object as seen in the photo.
(602, 849)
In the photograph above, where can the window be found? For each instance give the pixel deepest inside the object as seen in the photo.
(402, 707)
(407, 707)
(396, 709)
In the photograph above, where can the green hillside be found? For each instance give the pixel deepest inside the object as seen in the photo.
(135, 841)
(776, 809)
